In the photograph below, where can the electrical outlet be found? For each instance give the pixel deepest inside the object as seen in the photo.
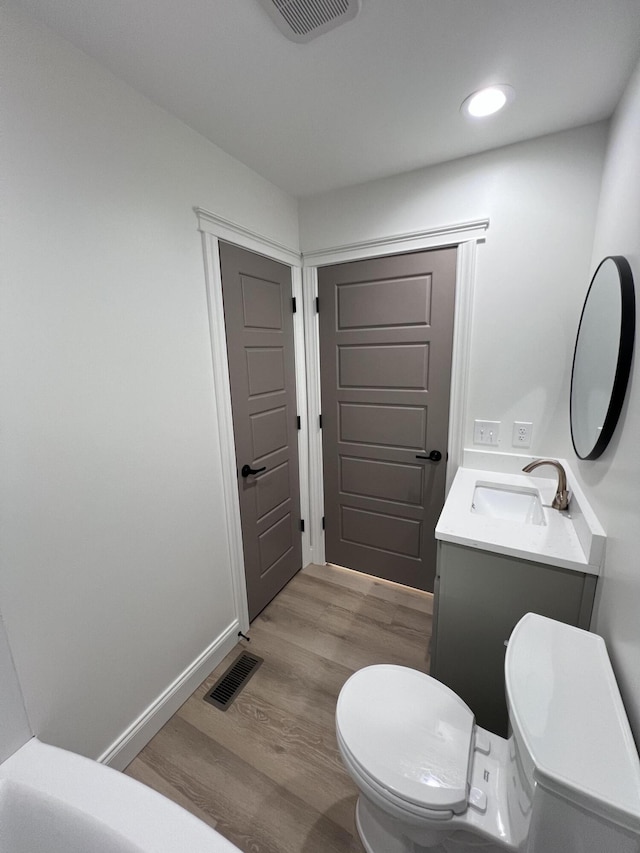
(486, 432)
(521, 434)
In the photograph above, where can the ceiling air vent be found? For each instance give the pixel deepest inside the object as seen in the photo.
(303, 20)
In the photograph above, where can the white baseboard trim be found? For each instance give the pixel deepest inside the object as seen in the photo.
(125, 748)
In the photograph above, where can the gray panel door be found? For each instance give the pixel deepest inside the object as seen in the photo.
(386, 331)
(256, 292)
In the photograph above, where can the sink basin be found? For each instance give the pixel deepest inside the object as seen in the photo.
(520, 505)
(505, 507)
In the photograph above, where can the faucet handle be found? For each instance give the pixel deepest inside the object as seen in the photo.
(562, 499)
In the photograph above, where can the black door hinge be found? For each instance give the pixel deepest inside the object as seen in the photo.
(299, 422)
(320, 421)
(293, 304)
(317, 304)
(323, 522)
(302, 525)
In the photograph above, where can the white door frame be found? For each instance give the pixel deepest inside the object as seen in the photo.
(466, 235)
(304, 281)
(215, 228)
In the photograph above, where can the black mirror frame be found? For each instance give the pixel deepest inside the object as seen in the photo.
(625, 354)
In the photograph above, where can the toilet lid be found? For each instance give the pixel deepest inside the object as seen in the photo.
(408, 732)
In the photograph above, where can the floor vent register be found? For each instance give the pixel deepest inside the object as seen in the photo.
(232, 681)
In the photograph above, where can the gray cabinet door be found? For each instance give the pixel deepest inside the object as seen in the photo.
(386, 330)
(256, 293)
(481, 597)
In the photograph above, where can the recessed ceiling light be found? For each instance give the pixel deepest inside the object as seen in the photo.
(487, 101)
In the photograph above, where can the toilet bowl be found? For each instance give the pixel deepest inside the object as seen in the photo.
(431, 779)
(418, 759)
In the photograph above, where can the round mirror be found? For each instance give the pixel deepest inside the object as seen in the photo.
(602, 357)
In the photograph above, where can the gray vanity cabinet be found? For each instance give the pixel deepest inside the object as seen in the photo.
(480, 596)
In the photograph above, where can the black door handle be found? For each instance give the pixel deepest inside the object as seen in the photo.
(247, 469)
(434, 456)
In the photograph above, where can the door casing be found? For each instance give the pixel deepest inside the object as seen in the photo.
(464, 235)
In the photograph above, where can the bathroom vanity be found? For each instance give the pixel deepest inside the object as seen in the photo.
(503, 552)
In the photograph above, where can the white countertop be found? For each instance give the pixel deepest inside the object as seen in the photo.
(571, 540)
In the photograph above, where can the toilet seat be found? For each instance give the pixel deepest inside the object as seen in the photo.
(385, 799)
(409, 737)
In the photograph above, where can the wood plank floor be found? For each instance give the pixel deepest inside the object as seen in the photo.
(267, 773)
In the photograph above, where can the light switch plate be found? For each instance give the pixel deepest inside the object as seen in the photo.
(521, 434)
(486, 432)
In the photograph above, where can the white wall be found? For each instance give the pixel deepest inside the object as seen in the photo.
(14, 729)
(541, 197)
(613, 481)
(115, 566)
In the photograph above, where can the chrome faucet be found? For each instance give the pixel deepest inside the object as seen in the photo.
(563, 495)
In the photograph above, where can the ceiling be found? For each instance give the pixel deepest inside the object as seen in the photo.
(377, 96)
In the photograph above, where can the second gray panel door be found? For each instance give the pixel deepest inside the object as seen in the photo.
(386, 330)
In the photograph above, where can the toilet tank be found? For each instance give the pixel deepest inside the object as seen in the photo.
(571, 741)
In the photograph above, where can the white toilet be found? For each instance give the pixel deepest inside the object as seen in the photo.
(566, 780)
